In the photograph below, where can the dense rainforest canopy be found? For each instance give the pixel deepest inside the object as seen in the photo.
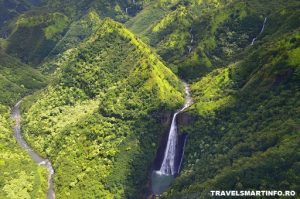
(100, 80)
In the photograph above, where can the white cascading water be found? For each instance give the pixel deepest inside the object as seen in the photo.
(261, 31)
(190, 47)
(168, 164)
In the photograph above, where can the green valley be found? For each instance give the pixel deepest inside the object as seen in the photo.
(102, 95)
(104, 98)
(20, 176)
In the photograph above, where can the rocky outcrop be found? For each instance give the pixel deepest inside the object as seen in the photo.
(184, 119)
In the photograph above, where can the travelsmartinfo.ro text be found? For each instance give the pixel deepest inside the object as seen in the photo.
(243, 193)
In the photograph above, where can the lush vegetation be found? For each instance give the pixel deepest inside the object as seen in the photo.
(20, 176)
(244, 134)
(100, 116)
(17, 79)
(35, 35)
(110, 95)
(244, 122)
(215, 31)
(10, 9)
(35, 27)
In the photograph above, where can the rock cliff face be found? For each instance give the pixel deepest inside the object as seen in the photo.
(166, 120)
(182, 119)
(185, 119)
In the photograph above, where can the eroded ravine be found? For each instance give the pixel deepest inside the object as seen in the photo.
(16, 115)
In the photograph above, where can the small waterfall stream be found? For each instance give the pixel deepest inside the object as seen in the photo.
(190, 47)
(162, 178)
(261, 31)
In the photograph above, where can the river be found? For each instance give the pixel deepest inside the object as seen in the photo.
(16, 115)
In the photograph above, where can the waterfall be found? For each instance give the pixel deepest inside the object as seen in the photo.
(181, 157)
(126, 9)
(263, 27)
(168, 164)
(192, 38)
(261, 31)
(190, 49)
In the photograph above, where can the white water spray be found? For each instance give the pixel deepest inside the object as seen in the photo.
(168, 164)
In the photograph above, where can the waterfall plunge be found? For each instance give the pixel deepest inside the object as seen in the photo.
(168, 164)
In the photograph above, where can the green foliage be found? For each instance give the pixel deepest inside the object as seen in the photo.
(17, 79)
(245, 125)
(221, 30)
(100, 116)
(77, 32)
(114, 9)
(216, 95)
(143, 22)
(11, 9)
(35, 34)
(20, 176)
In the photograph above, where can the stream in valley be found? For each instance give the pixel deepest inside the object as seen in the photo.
(16, 116)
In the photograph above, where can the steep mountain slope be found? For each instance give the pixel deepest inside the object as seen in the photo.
(243, 126)
(17, 79)
(33, 34)
(9, 9)
(114, 9)
(244, 131)
(194, 37)
(20, 176)
(100, 119)
(77, 32)
(110, 98)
